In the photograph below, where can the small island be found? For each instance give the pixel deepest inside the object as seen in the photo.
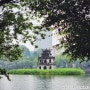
(60, 71)
(46, 66)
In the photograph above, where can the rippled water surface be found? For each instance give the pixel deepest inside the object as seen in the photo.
(31, 82)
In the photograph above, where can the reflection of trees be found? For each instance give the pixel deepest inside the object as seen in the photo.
(44, 82)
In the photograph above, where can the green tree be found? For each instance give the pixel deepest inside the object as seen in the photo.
(28, 60)
(16, 25)
(62, 61)
(72, 18)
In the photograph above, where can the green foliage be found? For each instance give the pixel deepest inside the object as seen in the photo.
(61, 71)
(28, 60)
(16, 25)
(4, 72)
(72, 18)
(62, 60)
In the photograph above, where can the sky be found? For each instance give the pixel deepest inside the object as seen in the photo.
(43, 43)
(48, 42)
(28, 45)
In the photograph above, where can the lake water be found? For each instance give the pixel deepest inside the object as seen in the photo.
(31, 82)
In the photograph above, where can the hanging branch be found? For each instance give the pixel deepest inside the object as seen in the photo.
(4, 72)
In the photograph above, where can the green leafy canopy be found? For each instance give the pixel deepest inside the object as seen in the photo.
(72, 15)
(16, 25)
(72, 18)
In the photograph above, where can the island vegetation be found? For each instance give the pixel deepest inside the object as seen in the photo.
(60, 71)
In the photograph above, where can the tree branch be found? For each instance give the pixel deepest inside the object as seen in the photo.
(6, 1)
(4, 72)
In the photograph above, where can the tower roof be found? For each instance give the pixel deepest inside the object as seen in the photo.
(46, 54)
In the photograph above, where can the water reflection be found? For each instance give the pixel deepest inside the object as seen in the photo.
(31, 82)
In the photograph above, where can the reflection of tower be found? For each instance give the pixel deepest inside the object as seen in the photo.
(46, 61)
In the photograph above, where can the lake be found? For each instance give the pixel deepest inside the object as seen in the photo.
(32, 82)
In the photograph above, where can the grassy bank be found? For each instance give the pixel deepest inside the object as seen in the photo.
(61, 71)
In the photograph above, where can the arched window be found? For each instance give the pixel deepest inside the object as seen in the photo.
(50, 61)
(45, 61)
(39, 67)
(45, 67)
(40, 61)
(50, 67)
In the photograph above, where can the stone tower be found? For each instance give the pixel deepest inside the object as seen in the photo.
(46, 61)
